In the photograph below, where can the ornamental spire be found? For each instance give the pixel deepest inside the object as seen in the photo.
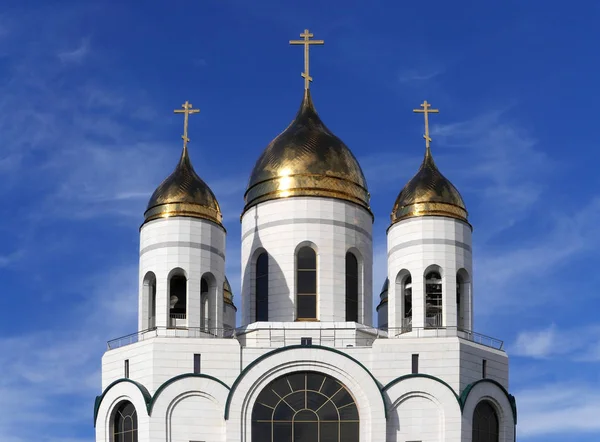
(425, 111)
(306, 35)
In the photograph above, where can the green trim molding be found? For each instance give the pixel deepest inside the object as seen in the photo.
(511, 399)
(295, 347)
(148, 398)
(145, 393)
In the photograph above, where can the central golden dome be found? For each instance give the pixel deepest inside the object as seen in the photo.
(307, 159)
(429, 193)
(183, 193)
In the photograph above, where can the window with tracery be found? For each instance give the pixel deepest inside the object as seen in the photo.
(125, 427)
(306, 284)
(486, 427)
(305, 407)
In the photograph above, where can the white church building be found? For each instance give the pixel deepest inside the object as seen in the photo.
(307, 363)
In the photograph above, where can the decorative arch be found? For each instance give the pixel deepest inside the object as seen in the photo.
(149, 301)
(403, 291)
(463, 299)
(434, 299)
(305, 258)
(353, 285)
(177, 294)
(305, 406)
(353, 375)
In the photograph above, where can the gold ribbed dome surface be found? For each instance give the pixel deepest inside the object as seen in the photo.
(183, 193)
(307, 159)
(227, 293)
(429, 193)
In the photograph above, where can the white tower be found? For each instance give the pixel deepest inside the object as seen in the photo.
(429, 254)
(182, 254)
(307, 229)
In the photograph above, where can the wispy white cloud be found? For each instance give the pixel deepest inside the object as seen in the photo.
(559, 408)
(76, 55)
(580, 344)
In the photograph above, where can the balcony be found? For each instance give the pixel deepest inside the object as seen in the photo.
(336, 335)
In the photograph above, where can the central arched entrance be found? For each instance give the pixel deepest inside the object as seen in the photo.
(305, 407)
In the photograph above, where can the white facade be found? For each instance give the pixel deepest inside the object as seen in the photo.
(332, 228)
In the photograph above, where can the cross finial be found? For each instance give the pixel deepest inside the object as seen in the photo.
(426, 110)
(306, 35)
(187, 110)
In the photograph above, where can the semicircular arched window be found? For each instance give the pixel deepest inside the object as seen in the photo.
(486, 427)
(305, 407)
(125, 428)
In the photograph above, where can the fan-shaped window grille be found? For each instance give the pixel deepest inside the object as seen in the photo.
(125, 427)
(305, 407)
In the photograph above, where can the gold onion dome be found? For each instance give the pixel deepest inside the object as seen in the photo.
(307, 159)
(183, 193)
(429, 193)
(227, 293)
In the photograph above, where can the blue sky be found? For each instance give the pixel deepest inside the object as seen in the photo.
(87, 131)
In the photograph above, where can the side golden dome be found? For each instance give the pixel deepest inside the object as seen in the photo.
(429, 193)
(183, 193)
(307, 159)
(227, 293)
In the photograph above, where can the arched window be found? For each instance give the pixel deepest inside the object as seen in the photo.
(262, 287)
(177, 299)
(407, 297)
(351, 287)
(125, 428)
(462, 299)
(306, 283)
(204, 310)
(305, 407)
(150, 300)
(486, 427)
(433, 300)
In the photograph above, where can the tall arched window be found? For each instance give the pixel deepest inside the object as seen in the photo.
(177, 299)
(407, 299)
(262, 287)
(433, 300)
(462, 299)
(351, 287)
(150, 300)
(306, 283)
(305, 407)
(125, 428)
(204, 309)
(486, 427)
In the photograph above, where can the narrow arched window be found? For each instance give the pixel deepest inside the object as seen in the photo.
(306, 283)
(149, 299)
(177, 300)
(125, 427)
(407, 299)
(262, 287)
(486, 427)
(204, 310)
(351, 287)
(460, 318)
(433, 300)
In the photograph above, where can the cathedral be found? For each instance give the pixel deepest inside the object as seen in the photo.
(306, 363)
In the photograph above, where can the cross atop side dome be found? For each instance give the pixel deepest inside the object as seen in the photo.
(428, 193)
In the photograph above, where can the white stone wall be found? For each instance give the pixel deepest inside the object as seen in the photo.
(195, 246)
(334, 227)
(416, 245)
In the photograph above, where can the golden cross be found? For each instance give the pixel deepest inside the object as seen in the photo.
(187, 110)
(426, 112)
(306, 42)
